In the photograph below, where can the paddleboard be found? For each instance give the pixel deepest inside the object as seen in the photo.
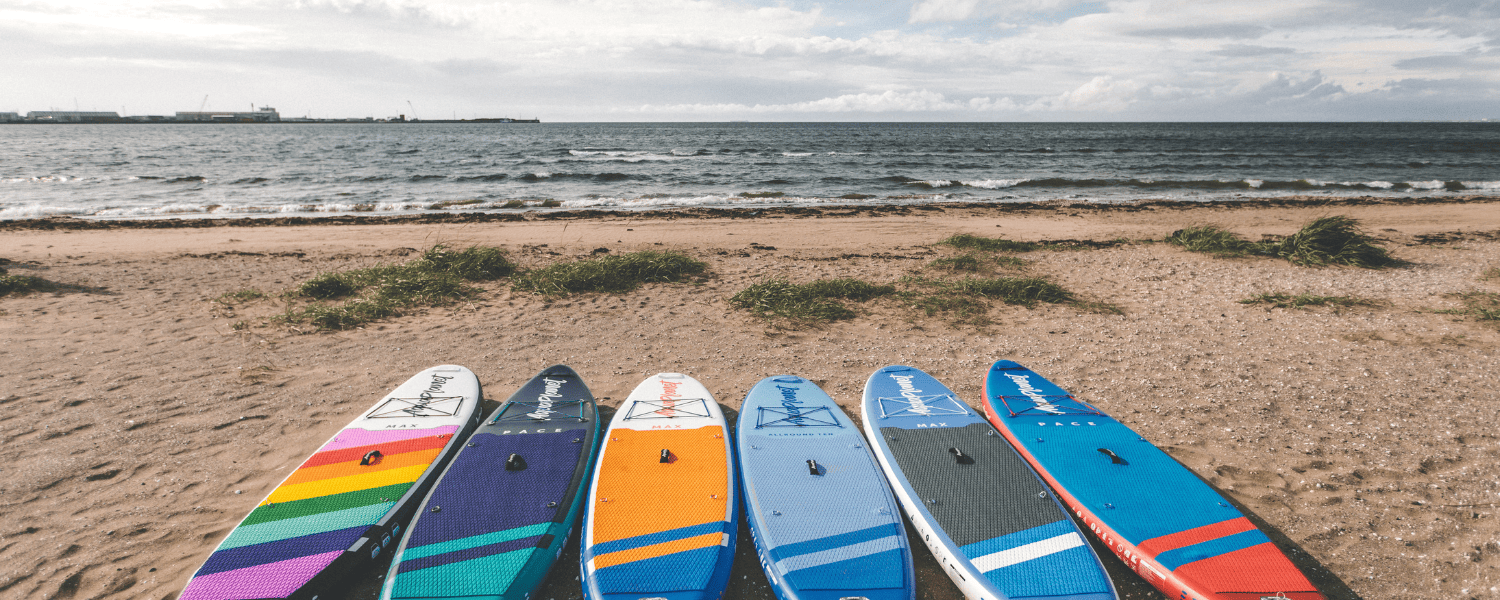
(499, 516)
(997, 531)
(662, 507)
(824, 522)
(1155, 514)
(350, 500)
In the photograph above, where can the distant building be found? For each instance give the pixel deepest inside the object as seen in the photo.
(264, 114)
(71, 116)
(10, 117)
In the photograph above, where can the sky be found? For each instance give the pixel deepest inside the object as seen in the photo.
(790, 60)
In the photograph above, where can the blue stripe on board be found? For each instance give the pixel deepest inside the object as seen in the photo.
(269, 552)
(1172, 559)
(655, 538)
(438, 560)
(1072, 571)
(884, 570)
(1019, 538)
(271, 531)
(785, 551)
(675, 572)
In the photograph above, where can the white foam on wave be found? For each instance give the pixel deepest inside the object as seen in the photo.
(630, 156)
(1481, 185)
(796, 154)
(937, 183)
(995, 184)
(42, 179)
(35, 211)
(1255, 183)
(1435, 184)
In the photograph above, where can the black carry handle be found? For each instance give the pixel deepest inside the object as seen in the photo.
(515, 463)
(960, 457)
(370, 458)
(812, 467)
(666, 455)
(1113, 458)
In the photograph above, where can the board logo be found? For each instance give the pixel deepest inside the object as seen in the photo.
(790, 402)
(913, 403)
(426, 404)
(668, 397)
(1023, 385)
(910, 392)
(547, 399)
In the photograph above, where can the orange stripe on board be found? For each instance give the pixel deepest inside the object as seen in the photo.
(396, 447)
(1260, 570)
(655, 550)
(639, 495)
(345, 469)
(1173, 541)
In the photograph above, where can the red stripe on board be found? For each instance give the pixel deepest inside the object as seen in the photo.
(387, 449)
(1197, 535)
(1260, 570)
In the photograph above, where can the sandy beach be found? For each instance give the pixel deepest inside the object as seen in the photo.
(138, 424)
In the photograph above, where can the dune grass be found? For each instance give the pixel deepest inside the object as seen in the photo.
(1490, 274)
(1336, 240)
(806, 303)
(974, 262)
(965, 241)
(1210, 239)
(1482, 306)
(239, 296)
(1301, 300)
(438, 278)
(612, 274)
(23, 284)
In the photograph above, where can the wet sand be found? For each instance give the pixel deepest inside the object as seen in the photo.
(137, 426)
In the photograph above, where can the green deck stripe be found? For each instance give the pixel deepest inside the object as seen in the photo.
(323, 504)
(272, 531)
(474, 541)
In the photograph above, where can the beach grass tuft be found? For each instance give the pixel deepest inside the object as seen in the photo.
(967, 300)
(1336, 240)
(438, 278)
(23, 284)
(613, 274)
(974, 262)
(1482, 306)
(1301, 300)
(1210, 239)
(1490, 274)
(965, 241)
(807, 303)
(239, 297)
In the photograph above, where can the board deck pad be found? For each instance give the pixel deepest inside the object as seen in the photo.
(662, 507)
(828, 529)
(339, 510)
(500, 514)
(983, 512)
(1169, 525)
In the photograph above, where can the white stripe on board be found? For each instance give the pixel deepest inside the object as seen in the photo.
(1032, 551)
(832, 555)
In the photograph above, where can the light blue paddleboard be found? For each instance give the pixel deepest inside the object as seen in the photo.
(825, 524)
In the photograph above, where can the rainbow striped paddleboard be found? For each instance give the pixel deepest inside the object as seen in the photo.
(824, 521)
(336, 513)
(502, 511)
(661, 518)
(985, 515)
(1151, 511)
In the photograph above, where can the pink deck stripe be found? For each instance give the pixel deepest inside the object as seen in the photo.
(352, 437)
(271, 580)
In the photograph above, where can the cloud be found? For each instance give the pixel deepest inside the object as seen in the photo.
(1244, 50)
(1221, 31)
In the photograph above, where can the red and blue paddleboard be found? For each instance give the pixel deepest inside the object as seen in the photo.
(1155, 514)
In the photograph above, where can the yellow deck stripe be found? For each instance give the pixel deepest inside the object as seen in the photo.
(339, 485)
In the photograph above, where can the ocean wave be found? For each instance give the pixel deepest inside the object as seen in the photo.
(1200, 184)
(42, 179)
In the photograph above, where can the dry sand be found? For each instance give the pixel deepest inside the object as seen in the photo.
(137, 427)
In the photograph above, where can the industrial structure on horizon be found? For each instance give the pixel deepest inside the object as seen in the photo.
(263, 114)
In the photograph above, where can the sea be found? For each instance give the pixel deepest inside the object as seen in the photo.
(144, 171)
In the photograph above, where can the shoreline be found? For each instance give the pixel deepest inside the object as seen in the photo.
(138, 423)
(976, 208)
